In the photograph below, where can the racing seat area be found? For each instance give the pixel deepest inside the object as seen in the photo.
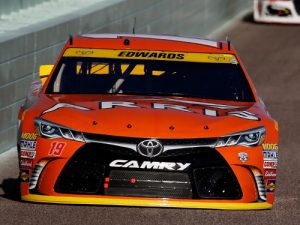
(95, 84)
(74, 82)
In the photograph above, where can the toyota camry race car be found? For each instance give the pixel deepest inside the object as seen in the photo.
(277, 11)
(147, 120)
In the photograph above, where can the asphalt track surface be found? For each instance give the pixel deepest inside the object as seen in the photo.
(271, 54)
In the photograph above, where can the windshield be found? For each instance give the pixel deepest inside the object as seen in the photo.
(91, 75)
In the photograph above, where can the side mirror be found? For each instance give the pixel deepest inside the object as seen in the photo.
(44, 72)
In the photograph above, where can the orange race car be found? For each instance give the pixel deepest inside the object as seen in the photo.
(147, 120)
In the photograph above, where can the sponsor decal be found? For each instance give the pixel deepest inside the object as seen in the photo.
(270, 164)
(149, 165)
(245, 115)
(57, 148)
(29, 145)
(213, 105)
(271, 185)
(84, 52)
(27, 154)
(115, 104)
(64, 105)
(270, 173)
(267, 146)
(26, 163)
(29, 136)
(24, 175)
(243, 156)
(270, 155)
(150, 55)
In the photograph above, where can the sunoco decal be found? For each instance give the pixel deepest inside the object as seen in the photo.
(271, 185)
(24, 175)
(175, 166)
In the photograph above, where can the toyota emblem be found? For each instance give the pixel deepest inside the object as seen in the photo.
(150, 148)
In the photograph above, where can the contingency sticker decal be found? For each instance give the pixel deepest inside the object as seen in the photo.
(270, 156)
(28, 147)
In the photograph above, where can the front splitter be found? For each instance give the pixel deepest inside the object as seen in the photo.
(145, 202)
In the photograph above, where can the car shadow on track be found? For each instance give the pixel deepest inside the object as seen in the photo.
(11, 189)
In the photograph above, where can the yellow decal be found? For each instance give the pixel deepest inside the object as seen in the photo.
(29, 136)
(44, 72)
(151, 55)
(270, 146)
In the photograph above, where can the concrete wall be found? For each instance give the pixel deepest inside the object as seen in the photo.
(22, 52)
(8, 6)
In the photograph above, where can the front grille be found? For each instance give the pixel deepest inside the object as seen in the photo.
(148, 184)
(216, 183)
(89, 172)
(80, 176)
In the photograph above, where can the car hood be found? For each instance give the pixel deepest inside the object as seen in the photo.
(150, 116)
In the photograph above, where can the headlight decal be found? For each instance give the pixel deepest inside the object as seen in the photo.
(49, 129)
(249, 138)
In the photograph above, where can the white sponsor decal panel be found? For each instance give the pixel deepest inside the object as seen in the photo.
(270, 173)
(270, 155)
(270, 164)
(27, 154)
(29, 145)
(26, 163)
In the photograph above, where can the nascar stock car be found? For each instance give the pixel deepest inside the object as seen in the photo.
(277, 11)
(147, 120)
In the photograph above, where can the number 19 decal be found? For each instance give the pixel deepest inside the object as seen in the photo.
(57, 148)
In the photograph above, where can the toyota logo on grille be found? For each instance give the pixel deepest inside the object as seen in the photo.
(150, 148)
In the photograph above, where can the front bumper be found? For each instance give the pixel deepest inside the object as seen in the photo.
(145, 202)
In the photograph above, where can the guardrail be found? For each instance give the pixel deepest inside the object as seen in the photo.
(23, 51)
